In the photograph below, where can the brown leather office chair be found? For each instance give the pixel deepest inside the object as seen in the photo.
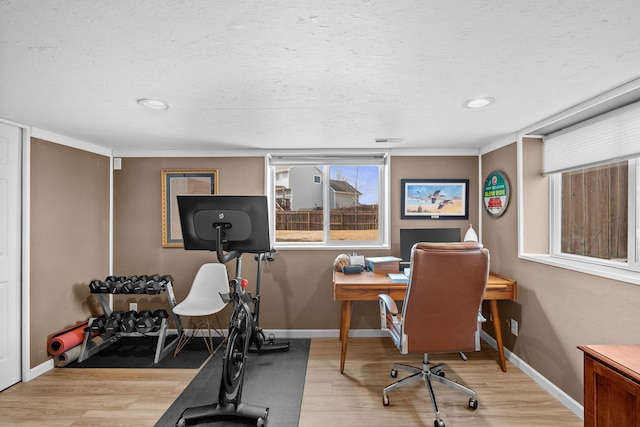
(440, 313)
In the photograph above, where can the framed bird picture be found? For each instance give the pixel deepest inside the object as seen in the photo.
(435, 199)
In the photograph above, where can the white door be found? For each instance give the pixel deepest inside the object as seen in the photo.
(10, 243)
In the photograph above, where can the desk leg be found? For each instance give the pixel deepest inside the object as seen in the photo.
(497, 328)
(345, 324)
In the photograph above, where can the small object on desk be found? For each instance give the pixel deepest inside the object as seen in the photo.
(398, 278)
(352, 269)
(357, 260)
(340, 261)
(383, 264)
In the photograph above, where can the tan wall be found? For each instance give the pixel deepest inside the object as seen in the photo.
(296, 288)
(557, 309)
(69, 238)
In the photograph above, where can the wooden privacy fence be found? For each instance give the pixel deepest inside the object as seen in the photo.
(594, 212)
(362, 218)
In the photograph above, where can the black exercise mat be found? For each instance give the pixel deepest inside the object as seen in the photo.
(139, 352)
(272, 379)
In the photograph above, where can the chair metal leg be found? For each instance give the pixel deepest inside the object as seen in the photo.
(197, 324)
(454, 385)
(432, 395)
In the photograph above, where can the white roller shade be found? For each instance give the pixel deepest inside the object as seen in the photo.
(611, 136)
(322, 159)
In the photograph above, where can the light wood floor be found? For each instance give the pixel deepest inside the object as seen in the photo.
(139, 397)
(506, 399)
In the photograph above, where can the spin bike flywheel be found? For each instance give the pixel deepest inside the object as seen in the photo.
(235, 355)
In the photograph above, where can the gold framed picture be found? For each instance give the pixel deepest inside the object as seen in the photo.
(174, 182)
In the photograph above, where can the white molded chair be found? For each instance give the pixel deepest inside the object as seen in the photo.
(202, 302)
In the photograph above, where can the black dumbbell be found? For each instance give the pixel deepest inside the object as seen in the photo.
(111, 283)
(128, 322)
(129, 284)
(98, 324)
(113, 322)
(138, 287)
(122, 285)
(154, 285)
(97, 286)
(144, 322)
(115, 287)
(157, 317)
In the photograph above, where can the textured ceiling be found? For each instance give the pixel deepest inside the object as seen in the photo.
(307, 74)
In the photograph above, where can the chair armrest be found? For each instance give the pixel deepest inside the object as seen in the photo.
(388, 311)
(388, 304)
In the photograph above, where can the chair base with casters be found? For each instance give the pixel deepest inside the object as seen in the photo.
(428, 374)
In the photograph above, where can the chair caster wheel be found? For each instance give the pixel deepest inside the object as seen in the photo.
(473, 403)
(385, 400)
(260, 422)
(394, 373)
(181, 422)
(438, 423)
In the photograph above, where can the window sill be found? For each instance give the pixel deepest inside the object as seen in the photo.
(612, 273)
(351, 246)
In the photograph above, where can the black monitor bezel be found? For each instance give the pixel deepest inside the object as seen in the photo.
(255, 207)
(411, 236)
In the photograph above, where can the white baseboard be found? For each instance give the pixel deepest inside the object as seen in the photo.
(547, 385)
(322, 333)
(39, 370)
(309, 333)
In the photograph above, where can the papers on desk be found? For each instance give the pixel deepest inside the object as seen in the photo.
(398, 278)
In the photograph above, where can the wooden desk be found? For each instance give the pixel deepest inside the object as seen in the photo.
(611, 385)
(366, 286)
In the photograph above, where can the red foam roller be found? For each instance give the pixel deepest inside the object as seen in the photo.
(66, 339)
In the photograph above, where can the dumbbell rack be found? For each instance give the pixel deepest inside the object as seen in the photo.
(89, 348)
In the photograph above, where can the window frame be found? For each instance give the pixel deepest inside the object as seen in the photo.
(529, 179)
(324, 159)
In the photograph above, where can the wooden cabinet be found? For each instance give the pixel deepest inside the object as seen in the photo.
(611, 385)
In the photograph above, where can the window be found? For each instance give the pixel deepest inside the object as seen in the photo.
(593, 170)
(594, 210)
(329, 200)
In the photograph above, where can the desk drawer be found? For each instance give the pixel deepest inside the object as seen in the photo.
(499, 292)
(362, 293)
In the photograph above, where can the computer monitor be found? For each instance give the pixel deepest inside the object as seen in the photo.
(243, 220)
(411, 236)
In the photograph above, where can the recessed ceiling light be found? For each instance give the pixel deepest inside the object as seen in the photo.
(154, 104)
(478, 102)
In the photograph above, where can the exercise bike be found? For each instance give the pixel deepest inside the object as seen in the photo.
(243, 332)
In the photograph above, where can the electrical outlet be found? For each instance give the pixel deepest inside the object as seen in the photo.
(514, 327)
(133, 306)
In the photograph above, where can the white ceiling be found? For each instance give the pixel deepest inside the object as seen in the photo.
(327, 74)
